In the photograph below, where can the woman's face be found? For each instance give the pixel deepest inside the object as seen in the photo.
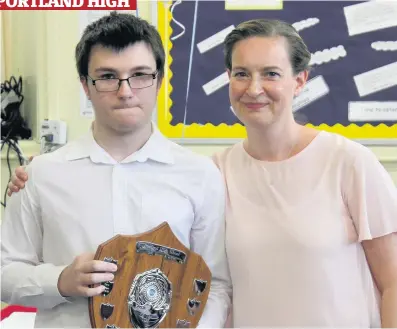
(262, 82)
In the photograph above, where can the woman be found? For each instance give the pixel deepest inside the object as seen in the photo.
(311, 216)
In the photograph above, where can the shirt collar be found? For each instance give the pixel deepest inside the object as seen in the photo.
(157, 148)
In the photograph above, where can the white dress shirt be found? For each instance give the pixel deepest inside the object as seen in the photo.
(78, 197)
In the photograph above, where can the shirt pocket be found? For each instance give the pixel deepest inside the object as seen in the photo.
(176, 210)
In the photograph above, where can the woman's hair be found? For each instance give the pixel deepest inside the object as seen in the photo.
(299, 54)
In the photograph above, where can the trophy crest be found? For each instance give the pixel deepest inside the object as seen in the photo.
(159, 283)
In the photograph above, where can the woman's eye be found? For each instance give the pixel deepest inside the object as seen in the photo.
(240, 74)
(273, 74)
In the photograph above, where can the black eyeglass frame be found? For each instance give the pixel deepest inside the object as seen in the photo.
(154, 76)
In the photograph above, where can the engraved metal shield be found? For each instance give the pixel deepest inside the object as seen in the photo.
(149, 299)
(159, 283)
(106, 311)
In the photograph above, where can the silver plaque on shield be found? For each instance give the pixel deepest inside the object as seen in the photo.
(149, 299)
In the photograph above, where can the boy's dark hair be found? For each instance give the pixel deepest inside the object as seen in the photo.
(118, 31)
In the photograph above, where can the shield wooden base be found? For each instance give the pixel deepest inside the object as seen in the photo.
(135, 255)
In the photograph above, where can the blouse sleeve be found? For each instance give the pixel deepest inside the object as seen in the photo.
(371, 196)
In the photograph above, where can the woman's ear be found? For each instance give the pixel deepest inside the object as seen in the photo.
(301, 79)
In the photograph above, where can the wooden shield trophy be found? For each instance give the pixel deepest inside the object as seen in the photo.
(159, 283)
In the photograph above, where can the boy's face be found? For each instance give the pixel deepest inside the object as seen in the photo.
(127, 109)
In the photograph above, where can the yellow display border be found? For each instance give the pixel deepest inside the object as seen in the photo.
(236, 131)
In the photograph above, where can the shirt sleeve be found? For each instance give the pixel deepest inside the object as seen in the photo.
(26, 279)
(208, 240)
(371, 197)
